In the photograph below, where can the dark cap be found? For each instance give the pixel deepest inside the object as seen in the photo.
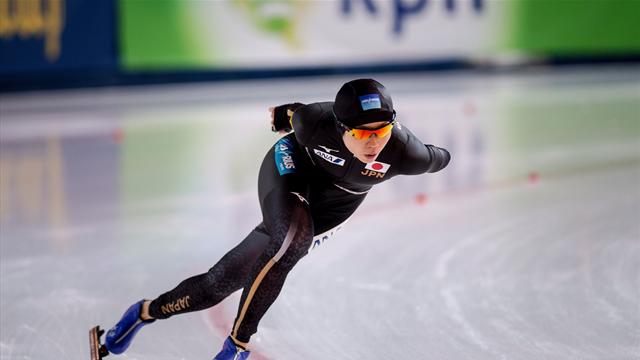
(362, 101)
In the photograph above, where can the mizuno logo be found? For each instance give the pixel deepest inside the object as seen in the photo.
(327, 149)
(330, 158)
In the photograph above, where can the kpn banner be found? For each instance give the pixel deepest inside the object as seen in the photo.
(257, 34)
(232, 34)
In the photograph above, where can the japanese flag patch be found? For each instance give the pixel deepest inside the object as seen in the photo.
(378, 166)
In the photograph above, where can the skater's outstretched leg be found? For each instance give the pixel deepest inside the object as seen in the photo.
(206, 290)
(196, 293)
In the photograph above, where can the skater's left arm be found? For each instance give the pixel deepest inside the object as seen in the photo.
(420, 158)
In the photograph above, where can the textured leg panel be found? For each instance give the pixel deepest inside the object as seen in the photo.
(206, 290)
(292, 233)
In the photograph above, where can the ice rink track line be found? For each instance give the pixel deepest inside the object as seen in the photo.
(217, 318)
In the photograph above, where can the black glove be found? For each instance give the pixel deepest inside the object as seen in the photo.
(282, 117)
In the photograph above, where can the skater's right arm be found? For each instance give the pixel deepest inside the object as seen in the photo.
(281, 117)
(304, 119)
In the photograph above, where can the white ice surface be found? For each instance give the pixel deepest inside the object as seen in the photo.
(526, 247)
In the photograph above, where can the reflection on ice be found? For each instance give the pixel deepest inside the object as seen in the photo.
(525, 247)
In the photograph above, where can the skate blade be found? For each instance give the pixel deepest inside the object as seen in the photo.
(98, 351)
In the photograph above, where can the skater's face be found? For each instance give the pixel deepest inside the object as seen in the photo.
(367, 149)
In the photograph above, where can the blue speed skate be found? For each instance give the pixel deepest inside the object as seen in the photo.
(120, 336)
(231, 351)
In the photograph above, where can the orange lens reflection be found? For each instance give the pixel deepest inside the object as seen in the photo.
(366, 134)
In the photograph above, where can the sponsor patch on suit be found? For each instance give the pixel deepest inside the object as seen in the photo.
(330, 158)
(283, 151)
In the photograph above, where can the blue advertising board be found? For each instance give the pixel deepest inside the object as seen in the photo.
(56, 38)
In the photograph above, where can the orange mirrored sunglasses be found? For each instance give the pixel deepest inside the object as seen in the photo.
(361, 134)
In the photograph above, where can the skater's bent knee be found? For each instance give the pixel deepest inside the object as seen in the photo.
(296, 248)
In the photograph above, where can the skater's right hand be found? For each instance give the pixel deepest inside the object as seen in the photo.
(281, 117)
(273, 126)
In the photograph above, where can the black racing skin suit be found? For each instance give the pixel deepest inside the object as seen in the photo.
(309, 183)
